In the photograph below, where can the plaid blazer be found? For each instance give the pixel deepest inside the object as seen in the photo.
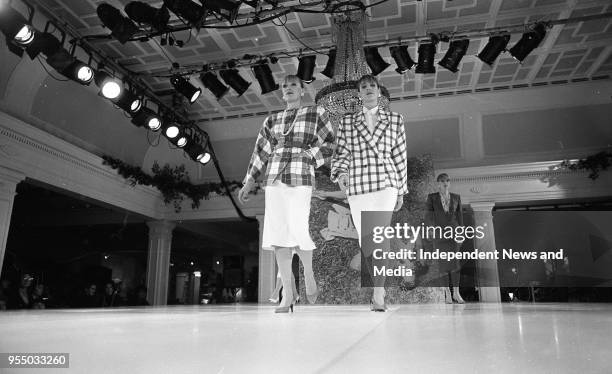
(291, 158)
(373, 161)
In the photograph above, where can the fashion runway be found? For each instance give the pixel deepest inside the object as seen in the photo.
(430, 338)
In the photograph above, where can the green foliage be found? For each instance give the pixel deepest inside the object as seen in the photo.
(594, 163)
(172, 182)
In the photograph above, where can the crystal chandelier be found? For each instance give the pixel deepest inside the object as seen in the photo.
(340, 97)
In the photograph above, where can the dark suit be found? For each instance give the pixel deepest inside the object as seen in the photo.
(436, 216)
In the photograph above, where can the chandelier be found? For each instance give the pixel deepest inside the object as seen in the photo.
(348, 34)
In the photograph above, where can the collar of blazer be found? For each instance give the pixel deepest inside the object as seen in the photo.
(372, 139)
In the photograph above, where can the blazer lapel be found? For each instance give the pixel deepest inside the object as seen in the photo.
(381, 126)
(359, 122)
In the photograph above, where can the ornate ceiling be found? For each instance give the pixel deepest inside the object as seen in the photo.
(571, 52)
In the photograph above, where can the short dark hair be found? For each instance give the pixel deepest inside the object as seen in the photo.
(442, 176)
(293, 77)
(369, 79)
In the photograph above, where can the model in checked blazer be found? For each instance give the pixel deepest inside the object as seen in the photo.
(444, 209)
(369, 164)
(288, 149)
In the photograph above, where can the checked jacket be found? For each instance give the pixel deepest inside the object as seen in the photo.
(373, 161)
(291, 158)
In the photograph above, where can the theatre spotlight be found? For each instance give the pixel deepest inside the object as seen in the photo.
(329, 67)
(170, 129)
(44, 43)
(143, 13)
(210, 81)
(455, 53)
(110, 87)
(227, 9)
(264, 76)
(306, 67)
(121, 27)
(79, 72)
(197, 152)
(233, 79)
(528, 42)
(187, 10)
(402, 58)
(185, 88)
(129, 102)
(495, 46)
(147, 118)
(15, 27)
(374, 60)
(180, 140)
(427, 53)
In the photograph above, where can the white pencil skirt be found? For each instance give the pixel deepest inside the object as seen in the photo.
(286, 217)
(383, 200)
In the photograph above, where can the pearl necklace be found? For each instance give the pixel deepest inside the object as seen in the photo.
(285, 133)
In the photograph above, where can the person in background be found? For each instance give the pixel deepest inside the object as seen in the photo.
(444, 209)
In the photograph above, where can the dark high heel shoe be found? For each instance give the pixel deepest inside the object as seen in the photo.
(377, 307)
(286, 309)
(313, 298)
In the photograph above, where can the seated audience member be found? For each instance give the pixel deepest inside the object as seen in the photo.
(39, 297)
(89, 298)
(24, 293)
(110, 297)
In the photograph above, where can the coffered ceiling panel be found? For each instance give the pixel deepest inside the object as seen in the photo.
(572, 52)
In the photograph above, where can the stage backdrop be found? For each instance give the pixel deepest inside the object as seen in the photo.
(336, 259)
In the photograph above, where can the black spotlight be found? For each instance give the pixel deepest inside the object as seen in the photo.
(331, 62)
(213, 83)
(188, 10)
(402, 58)
(306, 67)
(264, 76)
(170, 129)
(234, 80)
(140, 12)
(455, 53)
(15, 27)
(197, 152)
(375, 61)
(129, 101)
(110, 87)
(185, 88)
(529, 41)
(44, 43)
(122, 28)
(427, 53)
(79, 72)
(180, 140)
(496, 45)
(227, 9)
(148, 119)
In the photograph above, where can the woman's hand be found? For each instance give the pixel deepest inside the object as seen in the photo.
(243, 194)
(343, 182)
(399, 203)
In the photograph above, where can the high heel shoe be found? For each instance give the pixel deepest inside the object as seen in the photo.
(377, 307)
(457, 298)
(286, 309)
(447, 297)
(313, 297)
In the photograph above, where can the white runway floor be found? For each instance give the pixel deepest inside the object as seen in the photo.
(471, 338)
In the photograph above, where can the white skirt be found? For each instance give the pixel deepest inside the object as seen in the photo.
(383, 200)
(286, 217)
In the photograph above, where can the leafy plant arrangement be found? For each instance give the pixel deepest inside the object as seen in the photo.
(172, 182)
(594, 163)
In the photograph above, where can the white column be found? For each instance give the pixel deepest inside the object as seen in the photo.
(487, 273)
(158, 261)
(8, 183)
(267, 268)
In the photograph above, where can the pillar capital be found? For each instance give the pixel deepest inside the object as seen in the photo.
(9, 179)
(160, 228)
(482, 206)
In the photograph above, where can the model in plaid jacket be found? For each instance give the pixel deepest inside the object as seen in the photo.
(290, 143)
(373, 161)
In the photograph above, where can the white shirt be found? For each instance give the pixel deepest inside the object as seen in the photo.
(371, 117)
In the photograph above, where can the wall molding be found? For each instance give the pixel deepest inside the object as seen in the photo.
(48, 159)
